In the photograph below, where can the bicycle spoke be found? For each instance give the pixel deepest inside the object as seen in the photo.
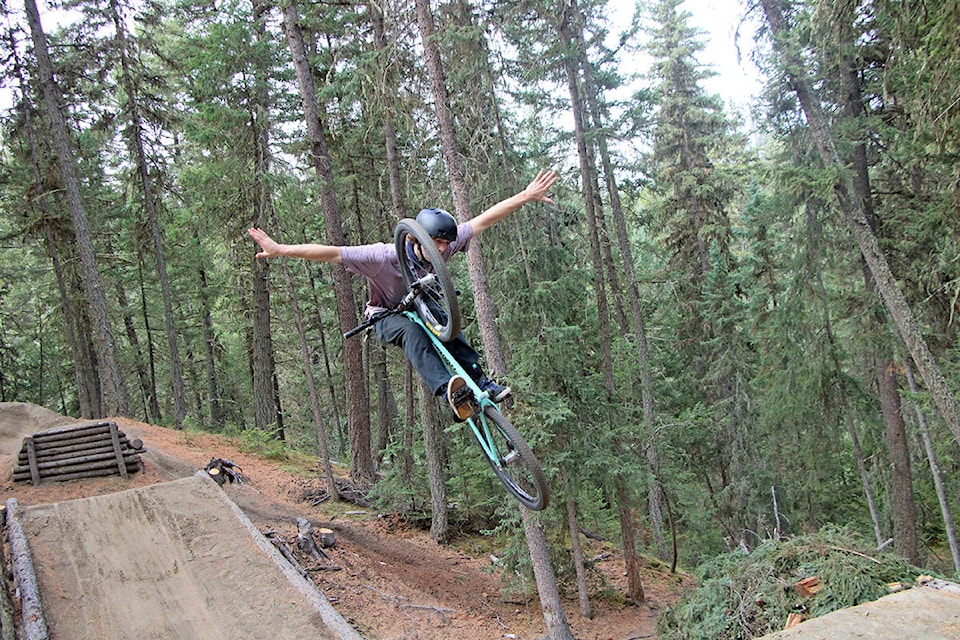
(511, 458)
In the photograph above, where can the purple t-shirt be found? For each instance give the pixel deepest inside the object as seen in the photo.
(379, 265)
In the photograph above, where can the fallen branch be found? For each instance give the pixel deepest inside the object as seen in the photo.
(438, 610)
(285, 551)
(856, 553)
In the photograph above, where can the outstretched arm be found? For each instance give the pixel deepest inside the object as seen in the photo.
(272, 249)
(536, 191)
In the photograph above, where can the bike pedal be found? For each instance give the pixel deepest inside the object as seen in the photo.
(511, 457)
(460, 397)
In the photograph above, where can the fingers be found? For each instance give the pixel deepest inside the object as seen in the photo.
(261, 238)
(542, 183)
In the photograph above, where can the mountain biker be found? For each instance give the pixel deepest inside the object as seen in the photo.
(378, 263)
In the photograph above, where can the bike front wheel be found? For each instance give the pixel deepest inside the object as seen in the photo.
(513, 461)
(418, 255)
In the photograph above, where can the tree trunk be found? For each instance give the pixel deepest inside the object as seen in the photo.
(268, 413)
(361, 458)
(856, 219)
(902, 502)
(902, 505)
(553, 616)
(318, 422)
(483, 300)
(406, 453)
(583, 592)
(112, 388)
(151, 408)
(85, 397)
(588, 179)
(935, 472)
(217, 418)
(654, 488)
(386, 404)
(847, 413)
(432, 435)
(397, 201)
(486, 316)
(331, 387)
(135, 133)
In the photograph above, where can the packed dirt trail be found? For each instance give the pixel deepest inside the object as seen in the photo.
(206, 579)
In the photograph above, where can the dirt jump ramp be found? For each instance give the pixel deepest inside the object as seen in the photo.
(174, 560)
(927, 612)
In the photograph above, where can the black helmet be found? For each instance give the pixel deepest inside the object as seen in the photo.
(438, 223)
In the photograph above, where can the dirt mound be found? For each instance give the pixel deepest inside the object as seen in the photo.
(393, 582)
(174, 560)
(931, 612)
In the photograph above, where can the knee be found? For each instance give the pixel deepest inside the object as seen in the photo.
(403, 334)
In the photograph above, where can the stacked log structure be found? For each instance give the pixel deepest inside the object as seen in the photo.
(81, 451)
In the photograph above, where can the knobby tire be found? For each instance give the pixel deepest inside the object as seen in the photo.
(437, 303)
(523, 477)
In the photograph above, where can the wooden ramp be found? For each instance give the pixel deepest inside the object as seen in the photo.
(80, 451)
(175, 560)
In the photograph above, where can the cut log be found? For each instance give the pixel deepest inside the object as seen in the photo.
(808, 586)
(96, 457)
(34, 625)
(118, 450)
(79, 475)
(223, 471)
(54, 434)
(326, 537)
(61, 473)
(67, 440)
(305, 541)
(97, 449)
(53, 455)
(32, 458)
(793, 620)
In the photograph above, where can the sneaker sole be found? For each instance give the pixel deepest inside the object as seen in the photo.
(458, 395)
(503, 395)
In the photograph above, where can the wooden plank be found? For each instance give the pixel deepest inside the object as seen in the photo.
(32, 457)
(68, 440)
(118, 451)
(93, 473)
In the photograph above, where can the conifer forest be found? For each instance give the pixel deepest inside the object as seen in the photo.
(732, 325)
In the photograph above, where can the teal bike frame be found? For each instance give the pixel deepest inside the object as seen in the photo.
(481, 398)
(506, 451)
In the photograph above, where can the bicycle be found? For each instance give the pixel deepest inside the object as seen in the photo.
(431, 303)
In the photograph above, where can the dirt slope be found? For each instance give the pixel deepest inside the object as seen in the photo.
(930, 612)
(394, 582)
(172, 560)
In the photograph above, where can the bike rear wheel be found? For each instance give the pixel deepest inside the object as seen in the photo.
(513, 461)
(437, 303)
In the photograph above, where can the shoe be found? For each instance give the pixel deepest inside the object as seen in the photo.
(497, 392)
(459, 397)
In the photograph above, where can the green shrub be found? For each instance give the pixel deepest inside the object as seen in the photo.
(742, 596)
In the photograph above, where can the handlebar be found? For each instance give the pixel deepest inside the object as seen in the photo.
(405, 304)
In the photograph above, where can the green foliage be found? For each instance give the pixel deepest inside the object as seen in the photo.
(742, 596)
(262, 442)
(760, 328)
